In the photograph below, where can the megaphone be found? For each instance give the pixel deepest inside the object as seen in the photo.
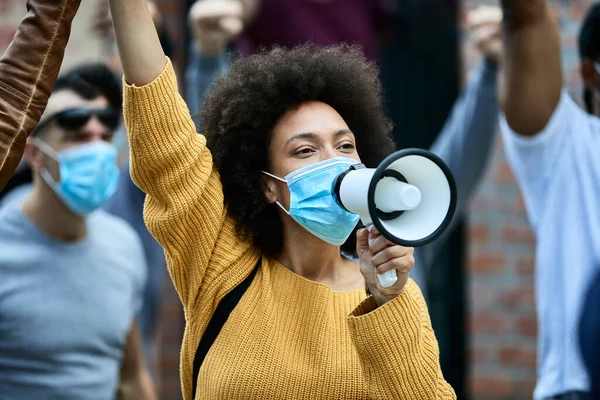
(410, 197)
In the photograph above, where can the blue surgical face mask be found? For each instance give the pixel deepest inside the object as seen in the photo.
(89, 175)
(312, 203)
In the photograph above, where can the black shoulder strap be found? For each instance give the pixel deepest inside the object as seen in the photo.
(225, 307)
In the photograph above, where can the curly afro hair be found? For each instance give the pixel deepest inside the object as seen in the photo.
(241, 109)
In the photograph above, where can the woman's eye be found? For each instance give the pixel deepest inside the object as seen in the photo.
(304, 151)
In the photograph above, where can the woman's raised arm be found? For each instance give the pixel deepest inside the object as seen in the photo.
(185, 208)
(141, 54)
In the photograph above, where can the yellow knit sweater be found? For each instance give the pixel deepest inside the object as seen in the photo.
(289, 337)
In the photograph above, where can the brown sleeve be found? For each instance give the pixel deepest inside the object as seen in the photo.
(28, 70)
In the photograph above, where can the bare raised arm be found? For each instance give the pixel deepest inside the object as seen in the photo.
(141, 54)
(532, 72)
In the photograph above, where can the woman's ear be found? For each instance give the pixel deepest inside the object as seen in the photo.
(269, 189)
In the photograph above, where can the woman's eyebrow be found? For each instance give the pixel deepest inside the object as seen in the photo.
(311, 135)
(305, 135)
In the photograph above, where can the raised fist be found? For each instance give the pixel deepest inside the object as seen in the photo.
(484, 25)
(214, 23)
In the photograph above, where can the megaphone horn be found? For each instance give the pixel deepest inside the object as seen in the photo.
(410, 197)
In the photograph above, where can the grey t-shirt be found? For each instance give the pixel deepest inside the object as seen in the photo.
(66, 308)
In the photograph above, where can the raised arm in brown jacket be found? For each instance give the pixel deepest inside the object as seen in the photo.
(28, 70)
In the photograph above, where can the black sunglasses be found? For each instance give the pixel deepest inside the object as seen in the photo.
(73, 119)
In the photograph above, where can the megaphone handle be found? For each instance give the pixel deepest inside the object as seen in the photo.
(388, 278)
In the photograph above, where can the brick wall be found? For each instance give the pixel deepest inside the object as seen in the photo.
(501, 259)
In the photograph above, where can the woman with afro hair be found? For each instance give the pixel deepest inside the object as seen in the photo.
(249, 197)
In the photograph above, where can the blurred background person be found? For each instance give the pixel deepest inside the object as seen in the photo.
(71, 276)
(552, 146)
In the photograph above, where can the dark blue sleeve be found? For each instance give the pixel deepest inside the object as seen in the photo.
(201, 72)
(466, 141)
(465, 144)
(589, 336)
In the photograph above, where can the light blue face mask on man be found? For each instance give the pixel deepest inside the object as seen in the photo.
(312, 203)
(89, 175)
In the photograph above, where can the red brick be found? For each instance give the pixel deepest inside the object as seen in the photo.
(168, 366)
(527, 325)
(520, 204)
(493, 205)
(478, 233)
(487, 264)
(480, 297)
(480, 354)
(171, 335)
(172, 311)
(517, 235)
(526, 266)
(485, 322)
(504, 175)
(170, 389)
(523, 389)
(520, 296)
(577, 11)
(516, 356)
(490, 386)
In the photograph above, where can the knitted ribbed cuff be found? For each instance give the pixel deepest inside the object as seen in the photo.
(393, 329)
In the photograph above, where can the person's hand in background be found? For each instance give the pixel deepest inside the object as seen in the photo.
(484, 26)
(214, 23)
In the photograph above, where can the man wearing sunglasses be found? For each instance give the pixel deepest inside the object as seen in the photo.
(71, 275)
(553, 147)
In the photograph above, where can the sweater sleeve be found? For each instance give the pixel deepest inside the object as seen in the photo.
(184, 208)
(398, 349)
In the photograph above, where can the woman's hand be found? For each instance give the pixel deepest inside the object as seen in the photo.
(378, 255)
